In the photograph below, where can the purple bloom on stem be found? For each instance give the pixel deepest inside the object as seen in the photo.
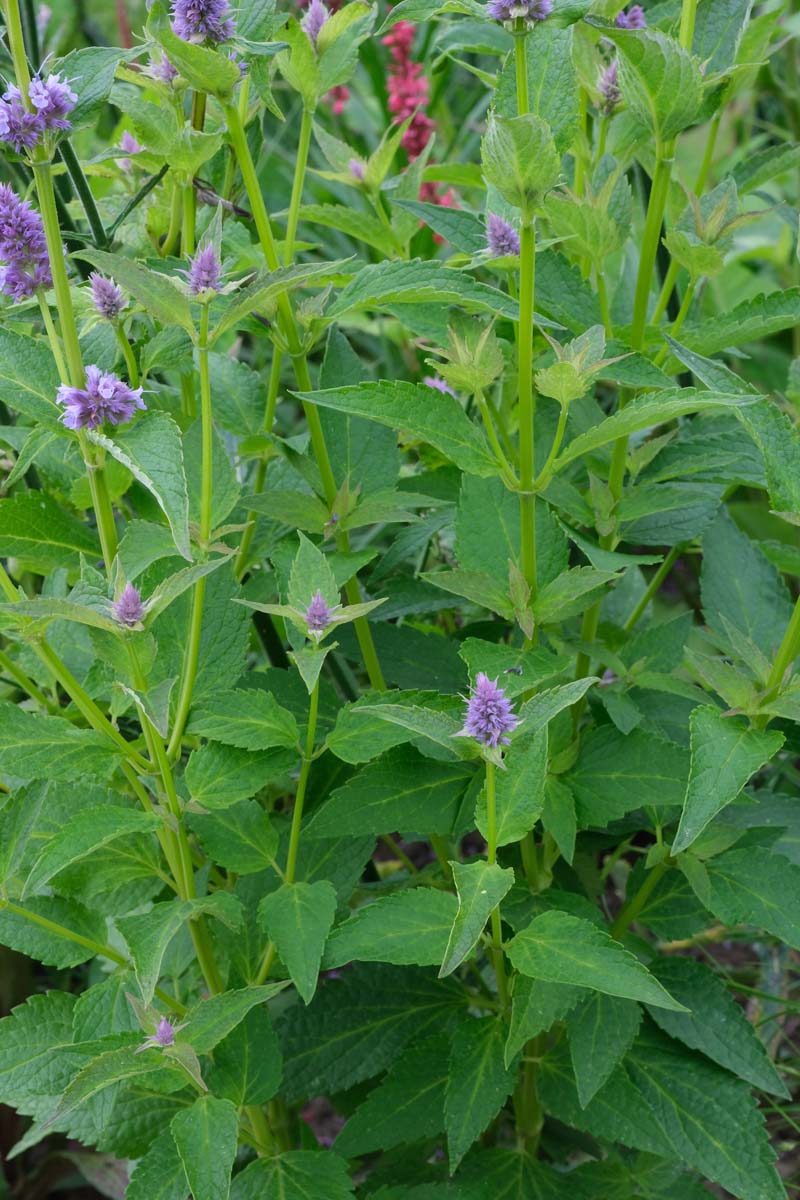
(20, 128)
(164, 1036)
(438, 384)
(634, 18)
(608, 88)
(107, 297)
(163, 70)
(356, 168)
(318, 615)
(489, 716)
(204, 271)
(510, 10)
(316, 16)
(202, 20)
(129, 144)
(501, 237)
(52, 98)
(23, 248)
(129, 609)
(105, 398)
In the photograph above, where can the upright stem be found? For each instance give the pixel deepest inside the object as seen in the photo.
(526, 408)
(301, 163)
(491, 858)
(308, 758)
(786, 654)
(631, 910)
(127, 353)
(652, 587)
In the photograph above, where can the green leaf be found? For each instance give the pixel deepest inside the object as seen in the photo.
(91, 72)
(37, 530)
(659, 80)
(718, 31)
(463, 230)
(558, 816)
(54, 942)
(480, 886)
(439, 727)
(356, 224)
(311, 572)
(535, 1005)
(475, 586)
(522, 670)
(615, 773)
(407, 1106)
(19, 817)
(250, 719)
(387, 284)
(247, 1063)
(738, 585)
(520, 159)
(757, 318)
(206, 1136)
(104, 1071)
(29, 379)
(148, 935)
(779, 442)
(31, 1041)
(560, 948)
(295, 1175)
(520, 789)
(297, 918)
(552, 83)
(407, 927)
(86, 832)
(360, 1024)
(152, 451)
(45, 608)
(400, 790)
(488, 533)
(725, 753)
(569, 594)
(427, 414)
(159, 1174)
(218, 776)
(478, 1085)
(601, 1030)
(643, 412)
(158, 293)
(266, 289)
(39, 747)
(242, 839)
(715, 1024)
(752, 886)
(212, 1020)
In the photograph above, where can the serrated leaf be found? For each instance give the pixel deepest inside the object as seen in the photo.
(659, 80)
(218, 776)
(28, 378)
(439, 727)
(560, 948)
(212, 1020)
(157, 293)
(778, 439)
(54, 930)
(752, 886)
(616, 772)
(520, 159)
(297, 918)
(247, 1063)
(478, 1085)
(42, 747)
(751, 319)
(601, 1030)
(36, 529)
(535, 1005)
(206, 1136)
(480, 886)
(295, 1175)
(249, 719)
(380, 285)
(105, 1070)
(242, 839)
(159, 1174)
(86, 832)
(520, 789)
(725, 752)
(407, 927)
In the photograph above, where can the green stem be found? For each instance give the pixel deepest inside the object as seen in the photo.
(679, 319)
(301, 162)
(308, 758)
(786, 654)
(84, 193)
(174, 228)
(521, 67)
(509, 475)
(101, 501)
(127, 353)
(187, 228)
(442, 852)
(542, 478)
(273, 389)
(652, 587)
(526, 406)
(398, 852)
(602, 296)
(650, 241)
(10, 668)
(491, 858)
(631, 910)
(52, 337)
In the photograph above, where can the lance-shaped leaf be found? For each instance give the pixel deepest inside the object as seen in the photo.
(153, 453)
(479, 1083)
(212, 1020)
(295, 1175)
(520, 789)
(535, 1005)
(112, 1067)
(263, 293)
(251, 719)
(480, 886)
(561, 948)
(520, 159)
(601, 1030)
(39, 747)
(439, 727)
(37, 530)
(219, 776)
(385, 284)
(408, 927)
(752, 886)
(725, 753)
(297, 918)
(206, 1135)
(86, 832)
(159, 1174)
(158, 294)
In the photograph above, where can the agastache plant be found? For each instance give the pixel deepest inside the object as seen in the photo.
(399, 619)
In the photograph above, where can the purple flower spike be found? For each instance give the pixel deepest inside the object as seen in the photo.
(318, 616)
(357, 169)
(204, 271)
(107, 297)
(105, 398)
(608, 88)
(202, 20)
(489, 716)
(528, 10)
(23, 248)
(316, 16)
(20, 128)
(501, 238)
(438, 384)
(129, 609)
(634, 18)
(163, 70)
(53, 99)
(164, 1036)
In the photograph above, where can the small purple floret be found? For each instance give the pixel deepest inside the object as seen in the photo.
(107, 297)
(163, 70)
(23, 248)
(489, 716)
(501, 237)
(202, 20)
(20, 128)
(438, 384)
(129, 609)
(316, 16)
(165, 1033)
(608, 88)
(357, 169)
(204, 271)
(634, 18)
(528, 10)
(53, 99)
(318, 615)
(105, 398)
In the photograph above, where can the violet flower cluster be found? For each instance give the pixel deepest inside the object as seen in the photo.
(316, 16)
(105, 398)
(634, 18)
(318, 615)
(502, 238)
(205, 271)
(202, 20)
(163, 1037)
(489, 717)
(608, 87)
(52, 99)
(23, 247)
(107, 297)
(129, 609)
(530, 11)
